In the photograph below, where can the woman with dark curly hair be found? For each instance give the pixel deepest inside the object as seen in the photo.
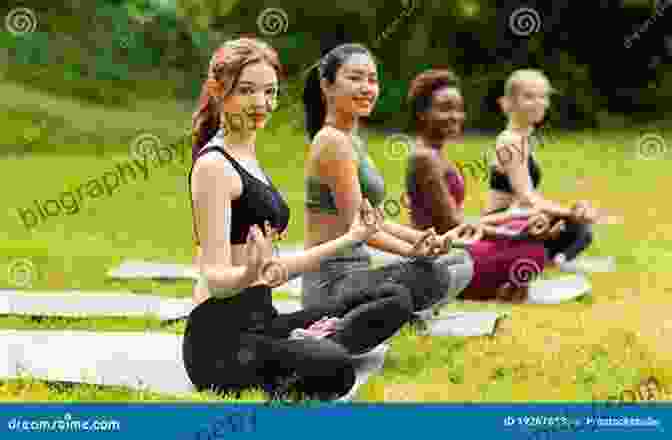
(492, 267)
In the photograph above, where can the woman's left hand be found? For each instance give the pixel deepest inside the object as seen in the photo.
(463, 235)
(271, 271)
(583, 212)
(428, 245)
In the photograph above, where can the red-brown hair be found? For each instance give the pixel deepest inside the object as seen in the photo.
(224, 71)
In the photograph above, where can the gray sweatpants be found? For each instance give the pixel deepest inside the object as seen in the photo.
(431, 281)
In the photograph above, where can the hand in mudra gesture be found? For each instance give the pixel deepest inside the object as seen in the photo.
(428, 245)
(542, 226)
(261, 265)
(368, 221)
(460, 236)
(583, 212)
(466, 233)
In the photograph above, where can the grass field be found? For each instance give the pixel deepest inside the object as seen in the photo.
(590, 349)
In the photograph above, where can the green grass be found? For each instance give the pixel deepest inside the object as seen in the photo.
(589, 349)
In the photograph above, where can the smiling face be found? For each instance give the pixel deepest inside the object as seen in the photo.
(530, 100)
(356, 89)
(445, 118)
(254, 96)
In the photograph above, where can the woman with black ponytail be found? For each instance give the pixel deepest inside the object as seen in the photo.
(340, 175)
(235, 338)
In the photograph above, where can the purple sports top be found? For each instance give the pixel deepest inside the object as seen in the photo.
(496, 262)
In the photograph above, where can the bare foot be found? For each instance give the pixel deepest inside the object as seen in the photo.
(511, 293)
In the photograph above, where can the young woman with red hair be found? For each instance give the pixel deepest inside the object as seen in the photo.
(235, 338)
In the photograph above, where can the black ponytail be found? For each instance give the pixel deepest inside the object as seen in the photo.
(314, 106)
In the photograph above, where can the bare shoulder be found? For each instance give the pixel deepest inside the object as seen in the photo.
(333, 144)
(423, 160)
(508, 137)
(213, 170)
(510, 145)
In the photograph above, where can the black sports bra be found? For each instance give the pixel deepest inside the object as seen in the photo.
(257, 203)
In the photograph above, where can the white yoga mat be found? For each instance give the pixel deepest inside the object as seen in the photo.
(137, 269)
(558, 290)
(99, 304)
(366, 365)
(136, 360)
(463, 324)
(104, 304)
(148, 361)
(133, 269)
(287, 305)
(589, 265)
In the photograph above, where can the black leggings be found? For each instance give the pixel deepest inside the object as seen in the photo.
(224, 359)
(572, 241)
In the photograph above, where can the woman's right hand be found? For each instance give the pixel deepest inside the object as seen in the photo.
(583, 212)
(462, 235)
(261, 266)
(368, 222)
(427, 246)
(256, 253)
(538, 225)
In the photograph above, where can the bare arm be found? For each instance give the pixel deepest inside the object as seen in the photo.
(309, 260)
(337, 168)
(406, 233)
(504, 217)
(214, 184)
(402, 232)
(200, 295)
(443, 207)
(512, 156)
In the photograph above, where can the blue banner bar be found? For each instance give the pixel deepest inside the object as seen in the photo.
(343, 421)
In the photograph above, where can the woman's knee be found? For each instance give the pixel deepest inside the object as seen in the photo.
(581, 237)
(399, 293)
(320, 357)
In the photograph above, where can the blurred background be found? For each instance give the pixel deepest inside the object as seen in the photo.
(84, 83)
(609, 59)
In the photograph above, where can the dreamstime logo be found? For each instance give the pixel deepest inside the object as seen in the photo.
(481, 167)
(126, 41)
(274, 273)
(66, 424)
(233, 422)
(397, 146)
(523, 271)
(524, 22)
(409, 7)
(21, 21)
(143, 19)
(272, 22)
(649, 389)
(660, 7)
(651, 146)
(144, 145)
(21, 272)
(392, 208)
